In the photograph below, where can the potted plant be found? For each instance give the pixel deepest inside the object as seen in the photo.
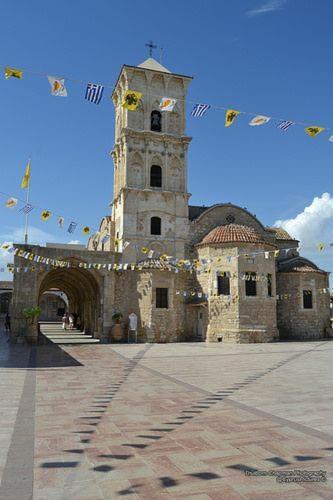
(30, 314)
(117, 328)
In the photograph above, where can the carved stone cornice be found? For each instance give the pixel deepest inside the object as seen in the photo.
(149, 135)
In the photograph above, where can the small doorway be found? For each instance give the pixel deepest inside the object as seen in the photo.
(200, 324)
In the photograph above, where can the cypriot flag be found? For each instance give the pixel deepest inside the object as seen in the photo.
(167, 103)
(11, 202)
(57, 86)
(259, 120)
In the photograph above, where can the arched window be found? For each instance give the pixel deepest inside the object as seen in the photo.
(155, 225)
(156, 121)
(156, 176)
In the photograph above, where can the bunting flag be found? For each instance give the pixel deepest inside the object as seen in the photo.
(285, 124)
(330, 138)
(199, 110)
(72, 227)
(313, 131)
(321, 247)
(167, 103)
(11, 202)
(131, 100)
(12, 72)
(144, 250)
(259, 120)
(27, 208)
(230, 116)
(61, 221)
(94, 93)
(125, 245)
(26, 178)
(45, 215)
(105, 239)
(86, 230)
(57, 86)
(6, 245)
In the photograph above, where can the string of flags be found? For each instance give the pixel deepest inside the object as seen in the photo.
(132, 100)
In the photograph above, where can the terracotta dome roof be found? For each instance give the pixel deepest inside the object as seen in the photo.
(279, 233)
(232, 233)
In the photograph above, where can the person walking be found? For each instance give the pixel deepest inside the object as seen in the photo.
(7, 323)
(65, 321)
(71, 321)
(78, 323)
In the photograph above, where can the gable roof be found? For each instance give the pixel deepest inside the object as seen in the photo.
(153, 65)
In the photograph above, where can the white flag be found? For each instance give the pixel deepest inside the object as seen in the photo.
(167, 103)
(330, 138)
(57, 86)
(61, 221)
(150, 254)
(259, 120)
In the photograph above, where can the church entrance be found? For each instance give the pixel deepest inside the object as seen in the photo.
(79, 293)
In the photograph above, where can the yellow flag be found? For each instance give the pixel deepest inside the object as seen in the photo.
(131, 100)
(144, 250)
(313, 131)
(26, 178)
(86, 230)
(320, 246)
(16, 73)
(276, 253)
(45, 215)
(230, 116)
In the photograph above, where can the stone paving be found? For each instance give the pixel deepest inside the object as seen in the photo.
(183, 421)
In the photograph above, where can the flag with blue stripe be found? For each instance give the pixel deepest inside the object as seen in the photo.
(199, 110)
(94, 93)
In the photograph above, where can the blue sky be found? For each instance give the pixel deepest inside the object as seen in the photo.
(269, 57)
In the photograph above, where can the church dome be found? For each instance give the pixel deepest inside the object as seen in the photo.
(231, 233)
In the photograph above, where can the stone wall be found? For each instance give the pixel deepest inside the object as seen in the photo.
(238, 318)
(295, 322)
(135, 291)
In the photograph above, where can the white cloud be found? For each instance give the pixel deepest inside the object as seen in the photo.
(74, 242)
(270, 6)
(314, 225)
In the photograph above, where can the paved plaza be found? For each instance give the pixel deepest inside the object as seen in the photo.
(155, 421)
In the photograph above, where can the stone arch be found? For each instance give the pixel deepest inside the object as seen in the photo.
(158, 85)
(223, 213)
(82, 289)
(175, 180)
(136, 171)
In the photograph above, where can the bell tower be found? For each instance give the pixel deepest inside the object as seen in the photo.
(150, 198)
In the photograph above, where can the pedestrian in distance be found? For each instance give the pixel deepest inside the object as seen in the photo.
(65, 321)
(71, 321)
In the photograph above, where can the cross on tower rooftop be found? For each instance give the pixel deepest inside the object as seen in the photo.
(151, 46)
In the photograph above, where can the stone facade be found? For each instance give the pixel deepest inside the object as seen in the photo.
(295, 321)
(245, 267)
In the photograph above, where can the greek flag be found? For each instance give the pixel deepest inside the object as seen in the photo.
(285, 124)
(27, 208)
(199, 110)
(94, 92)
(72, 227)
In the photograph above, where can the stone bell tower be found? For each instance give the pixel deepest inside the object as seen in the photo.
(150, 199)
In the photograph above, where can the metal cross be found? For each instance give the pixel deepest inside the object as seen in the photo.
(151, 46)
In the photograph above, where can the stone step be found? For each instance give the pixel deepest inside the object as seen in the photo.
(55, 334)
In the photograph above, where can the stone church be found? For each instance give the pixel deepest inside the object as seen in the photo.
(188, 272)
